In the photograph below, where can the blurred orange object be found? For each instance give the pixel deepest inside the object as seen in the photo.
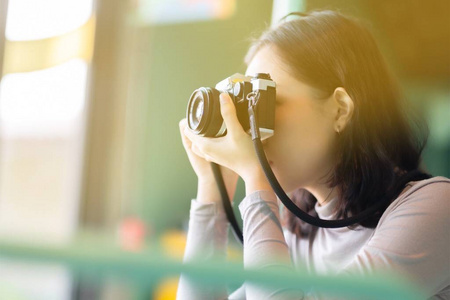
(166, 290)
(173, 242)
(132, 231)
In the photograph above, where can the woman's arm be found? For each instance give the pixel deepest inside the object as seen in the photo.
(208, 226)
(206, 241)
(264, 245)
(412, 240)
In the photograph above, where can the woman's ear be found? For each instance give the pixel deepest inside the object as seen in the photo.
(344, 109)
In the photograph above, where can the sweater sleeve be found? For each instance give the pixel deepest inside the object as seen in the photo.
(412, 240)
(206, 241)
(264, 244)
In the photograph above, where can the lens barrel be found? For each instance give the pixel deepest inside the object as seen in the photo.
(203, 112)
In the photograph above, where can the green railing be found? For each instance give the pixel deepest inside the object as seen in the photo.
(102, 259)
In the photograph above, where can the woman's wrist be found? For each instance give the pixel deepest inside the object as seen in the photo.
(256, 181)
(207, 191)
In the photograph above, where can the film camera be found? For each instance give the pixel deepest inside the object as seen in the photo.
(203, 110)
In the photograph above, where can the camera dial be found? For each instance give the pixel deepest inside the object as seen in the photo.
(262, 76)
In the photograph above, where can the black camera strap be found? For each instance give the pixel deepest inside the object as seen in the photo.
(315, 221)
(226, 202)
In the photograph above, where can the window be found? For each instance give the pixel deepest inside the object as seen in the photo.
(43, 104)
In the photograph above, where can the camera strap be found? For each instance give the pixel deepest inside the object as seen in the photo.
(315, 221)
(226, 202)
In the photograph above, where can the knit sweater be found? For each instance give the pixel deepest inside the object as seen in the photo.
(412, 239)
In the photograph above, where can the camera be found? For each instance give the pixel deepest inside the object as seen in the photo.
(203, 110)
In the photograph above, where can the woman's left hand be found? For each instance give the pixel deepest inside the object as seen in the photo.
(234, 150)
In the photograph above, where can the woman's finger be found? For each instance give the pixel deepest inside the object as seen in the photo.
(196, 151)
(205, 147)
(186, 142)
(201, 143)
(228, 111)
(182, 124)
(194, 138)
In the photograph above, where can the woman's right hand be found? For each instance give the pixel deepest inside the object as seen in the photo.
(207, 186)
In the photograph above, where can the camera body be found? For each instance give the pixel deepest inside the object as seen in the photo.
(203, 111)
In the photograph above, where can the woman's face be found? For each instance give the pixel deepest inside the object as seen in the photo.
(301, 150)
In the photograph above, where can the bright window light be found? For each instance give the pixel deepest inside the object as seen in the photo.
(43, 102)
(182, 11)
(39, 19)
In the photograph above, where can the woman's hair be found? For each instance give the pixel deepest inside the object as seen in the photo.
(326, 50)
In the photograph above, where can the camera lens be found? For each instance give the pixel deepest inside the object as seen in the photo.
(197, 109)
(203, 112)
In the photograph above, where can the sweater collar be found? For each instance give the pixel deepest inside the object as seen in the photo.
(326, 211)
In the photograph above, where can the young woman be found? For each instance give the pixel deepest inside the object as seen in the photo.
(342, 144)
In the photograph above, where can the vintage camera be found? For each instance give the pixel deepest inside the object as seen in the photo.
(203, 110)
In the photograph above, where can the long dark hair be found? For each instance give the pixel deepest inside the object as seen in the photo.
(326, 50)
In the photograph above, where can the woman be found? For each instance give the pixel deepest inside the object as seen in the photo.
(341, 145)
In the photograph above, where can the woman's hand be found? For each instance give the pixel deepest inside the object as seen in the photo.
(234, 151)
(207, 186)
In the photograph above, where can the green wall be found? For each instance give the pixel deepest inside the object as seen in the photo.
(181, 58)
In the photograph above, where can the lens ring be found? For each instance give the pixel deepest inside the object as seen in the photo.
(203, 112)
(196, 110)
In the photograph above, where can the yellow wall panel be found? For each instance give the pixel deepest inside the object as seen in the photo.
(27, 56)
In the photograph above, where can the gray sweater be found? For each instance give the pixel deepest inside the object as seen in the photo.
(412, 240)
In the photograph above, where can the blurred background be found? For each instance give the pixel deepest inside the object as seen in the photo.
(91, 94)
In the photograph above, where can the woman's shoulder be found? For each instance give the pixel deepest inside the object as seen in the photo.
(429, 196)
(432, 188)
(433, 182)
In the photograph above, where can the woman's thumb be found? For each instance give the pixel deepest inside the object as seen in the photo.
(228, 111)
